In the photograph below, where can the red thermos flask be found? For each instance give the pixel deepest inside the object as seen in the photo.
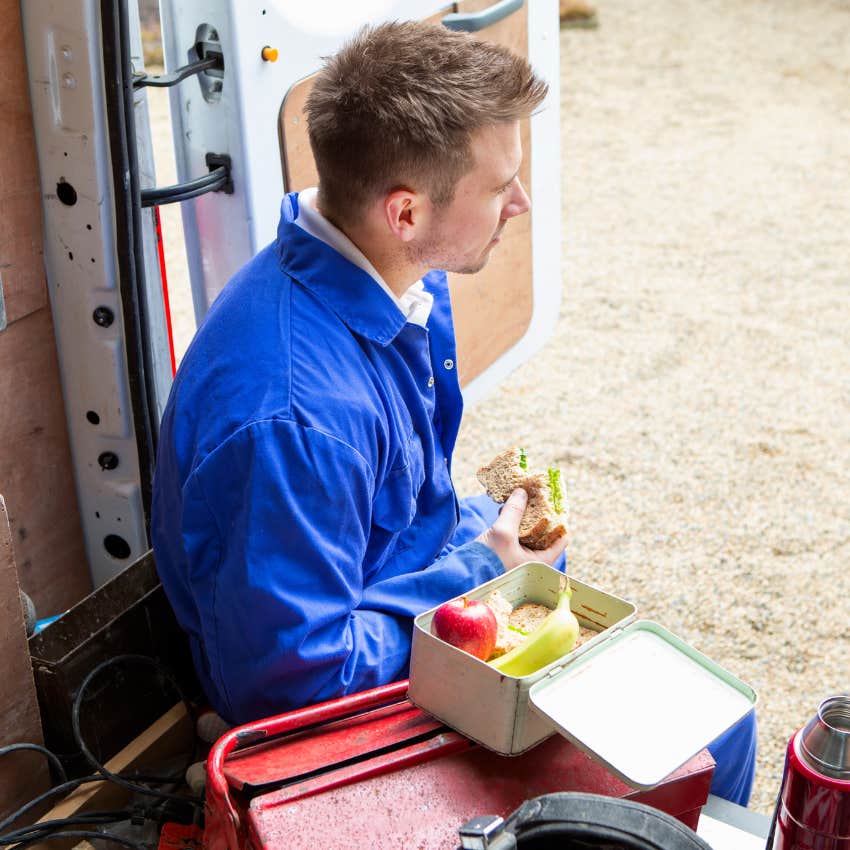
(813, 809)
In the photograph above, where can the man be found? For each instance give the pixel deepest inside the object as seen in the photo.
(303, 507)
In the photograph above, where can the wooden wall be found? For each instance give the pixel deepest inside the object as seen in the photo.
(23, 774)
(36, 478)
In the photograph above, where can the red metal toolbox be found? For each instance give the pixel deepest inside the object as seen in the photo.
(372, 770)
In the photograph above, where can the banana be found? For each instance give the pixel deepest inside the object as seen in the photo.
(554, 637)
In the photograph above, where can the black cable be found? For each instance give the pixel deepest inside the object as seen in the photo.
(46, 830)
(114, 777)
(162, 780)
(84, 833)
(47, 827)
(68, 787)
(65, 787)
(52, 758)
(83, 817)
(121, 128)
(212, 182)
(187, 196)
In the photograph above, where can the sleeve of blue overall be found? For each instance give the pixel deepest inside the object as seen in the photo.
(477, 514)
(287, 618)
(734, 753)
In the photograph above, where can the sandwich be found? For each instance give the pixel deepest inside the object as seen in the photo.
(514, 624)
(544, 520)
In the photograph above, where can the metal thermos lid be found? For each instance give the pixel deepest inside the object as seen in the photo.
(824, 741)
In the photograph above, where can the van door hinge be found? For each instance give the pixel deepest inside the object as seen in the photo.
(207, 58)
(213, 62)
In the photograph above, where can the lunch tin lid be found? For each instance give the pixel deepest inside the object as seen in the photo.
(642, 702)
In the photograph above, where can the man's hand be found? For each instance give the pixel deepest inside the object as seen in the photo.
(503, 536)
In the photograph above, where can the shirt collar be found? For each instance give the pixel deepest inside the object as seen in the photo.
(317, 225)
(340, 284)
(415, 304)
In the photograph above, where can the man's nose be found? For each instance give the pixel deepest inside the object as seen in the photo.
(518, 203)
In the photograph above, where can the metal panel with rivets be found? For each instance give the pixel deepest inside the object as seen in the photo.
(84, 259)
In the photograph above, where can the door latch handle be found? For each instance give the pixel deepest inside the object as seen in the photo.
(208, 63)
(475, 21)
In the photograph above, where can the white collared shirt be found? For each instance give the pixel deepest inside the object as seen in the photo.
(415, 304)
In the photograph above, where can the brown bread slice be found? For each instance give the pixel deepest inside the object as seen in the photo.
(515, 624)
(540, 526)
(502, 475)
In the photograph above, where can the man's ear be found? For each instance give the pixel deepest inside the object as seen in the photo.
(404, 211)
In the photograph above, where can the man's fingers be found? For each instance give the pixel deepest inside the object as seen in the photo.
(552, 552)
(503, 536)
(512, 511)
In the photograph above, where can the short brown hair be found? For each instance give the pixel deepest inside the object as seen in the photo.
(396, 106)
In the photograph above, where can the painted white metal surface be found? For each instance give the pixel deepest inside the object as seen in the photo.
(64, 58)
(223, 232)
(643, 702)
(728, 826)
(727, 836)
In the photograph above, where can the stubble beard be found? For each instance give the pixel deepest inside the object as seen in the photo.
(429, 256)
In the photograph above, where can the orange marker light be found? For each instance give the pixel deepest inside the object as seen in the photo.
(269, 54)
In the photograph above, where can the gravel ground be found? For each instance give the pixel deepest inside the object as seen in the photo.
(696, 391)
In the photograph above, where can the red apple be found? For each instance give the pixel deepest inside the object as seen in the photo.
(468, 624)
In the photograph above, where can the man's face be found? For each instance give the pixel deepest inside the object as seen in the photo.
(461, 236)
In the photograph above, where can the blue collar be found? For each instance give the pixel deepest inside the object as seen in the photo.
(343, 287)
